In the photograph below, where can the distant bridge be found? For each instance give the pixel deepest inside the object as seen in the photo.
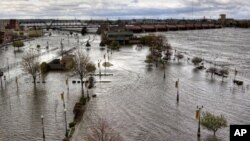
(53, 23)
(58, 24)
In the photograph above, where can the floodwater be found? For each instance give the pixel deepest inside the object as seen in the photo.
(138, 103)
(141, 106)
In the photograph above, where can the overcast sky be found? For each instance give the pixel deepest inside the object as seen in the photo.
(124, 9)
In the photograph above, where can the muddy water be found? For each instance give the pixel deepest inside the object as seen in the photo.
(142, 106)
(138, 103)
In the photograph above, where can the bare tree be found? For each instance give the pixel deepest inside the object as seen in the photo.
(179, 56)
(212, 71)
(30, 64)
(82, 66)
(224, 73)
(103, 132)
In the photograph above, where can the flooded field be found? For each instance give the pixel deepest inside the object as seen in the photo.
(138, 103)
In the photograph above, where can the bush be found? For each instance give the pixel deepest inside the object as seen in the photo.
(83, 100)
(114, 45)
(224, 72)
(18, 43)
(179, 56)
(77, 107)
(212, 122)
(44, 68)
(35, 33)
(147, 40)
(72, 124)
(72, 132)
(66, 139)
(212, 71)
(107, 64)
(196, 60)
(155, 41)
(21, 33)
(90, 67)
(78, 111)
(149, 58)
(102, 44)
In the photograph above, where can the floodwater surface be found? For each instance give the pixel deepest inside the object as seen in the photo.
(137, 103)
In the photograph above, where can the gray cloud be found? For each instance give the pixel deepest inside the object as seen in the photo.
(126, 9)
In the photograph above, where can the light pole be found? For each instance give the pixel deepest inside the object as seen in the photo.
(177, 87)
(78, 41)
(43, 128)
(47, 47)
(8, 67)
(1, 74)
(66, 126)
(62, 47)
(105, 63)
(4, 78)
(198, 111)
(164, 66)
(99, 66)
(68, 40)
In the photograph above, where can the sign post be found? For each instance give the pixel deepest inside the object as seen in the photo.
(1, 74)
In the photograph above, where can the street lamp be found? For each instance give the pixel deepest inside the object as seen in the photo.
(62, 46)
(164, 76)
(66, 128)
(198, 111)
(177, 87)
(43, 128)
(105, 63)
(99, 66)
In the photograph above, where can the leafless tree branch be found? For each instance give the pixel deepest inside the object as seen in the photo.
(30, 64)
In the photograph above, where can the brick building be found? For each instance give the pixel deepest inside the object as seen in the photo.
(13, 24)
